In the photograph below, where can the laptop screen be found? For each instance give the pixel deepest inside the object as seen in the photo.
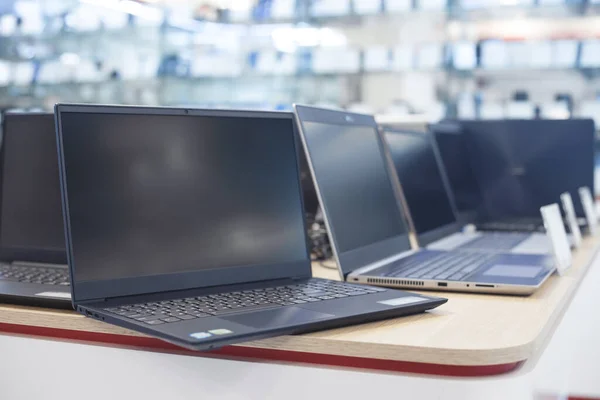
(354, 185)
(152, 195)
(453, 151)
(523, 165)
(421, 179)
(31, 227)
(349, 167)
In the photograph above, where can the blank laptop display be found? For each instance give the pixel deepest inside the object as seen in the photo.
(33, 258)
(146, 203)
(31, 226)
(453, 151)
(352, 194)
(522, 165)
(422, 183)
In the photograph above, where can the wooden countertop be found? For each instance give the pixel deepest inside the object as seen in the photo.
(471, 330)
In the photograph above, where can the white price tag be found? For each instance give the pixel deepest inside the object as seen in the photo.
(555, 230)
(567, 203)
(590, 211)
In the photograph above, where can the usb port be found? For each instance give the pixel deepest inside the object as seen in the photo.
(443, 284)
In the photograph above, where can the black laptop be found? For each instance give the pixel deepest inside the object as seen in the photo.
(33, 268)
(502, 172)
(188, 225)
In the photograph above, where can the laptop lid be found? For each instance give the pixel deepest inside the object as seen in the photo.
(31, 224)
(166, 199)
(454, 154)
(522, 165)
(348, 163)
(424, 184)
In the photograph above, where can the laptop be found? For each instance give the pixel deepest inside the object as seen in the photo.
(431, 206)
(522, 165)
(33, 268)
(362, 203)
(489, 193)
(188, 225)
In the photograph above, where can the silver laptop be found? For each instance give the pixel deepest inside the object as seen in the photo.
(361, 201)
(430, 202)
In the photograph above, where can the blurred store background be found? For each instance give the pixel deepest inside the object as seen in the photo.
(417, 59)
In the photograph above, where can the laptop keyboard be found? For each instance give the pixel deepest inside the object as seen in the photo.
(33, 274)
(500, 243)
(444, 266)
(170, 311)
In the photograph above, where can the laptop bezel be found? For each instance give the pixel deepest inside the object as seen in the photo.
(91, 291)
(432, 235)
(24, 254)
(351, 260)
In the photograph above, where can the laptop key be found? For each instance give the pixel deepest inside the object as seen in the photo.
(170, 319)
(154, 322)
(247, 309)
(186, 317)
(470, 268)
(149, 318)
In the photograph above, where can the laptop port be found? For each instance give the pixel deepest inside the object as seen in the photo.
(487, 286)
(442, 284)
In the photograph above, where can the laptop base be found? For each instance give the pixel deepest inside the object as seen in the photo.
(449, 286)
(34, 295)
(210, 332)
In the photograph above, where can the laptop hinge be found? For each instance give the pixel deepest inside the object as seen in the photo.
(90, 301)
(37, 264)
(103, 300)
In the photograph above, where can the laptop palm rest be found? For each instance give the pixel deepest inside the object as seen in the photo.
(278, 317)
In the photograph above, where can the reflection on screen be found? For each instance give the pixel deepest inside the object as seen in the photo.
(355, 188)
(421, 180)
(156, 194)
(31, 216)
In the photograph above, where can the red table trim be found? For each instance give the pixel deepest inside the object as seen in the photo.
(256, 354)
(583, 398)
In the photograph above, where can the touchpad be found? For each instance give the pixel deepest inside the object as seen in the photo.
(514, 271)
(279, 317)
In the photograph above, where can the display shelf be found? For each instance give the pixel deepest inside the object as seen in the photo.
(267, 77)
(454, 12)
(274, 92)
(472, 334)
